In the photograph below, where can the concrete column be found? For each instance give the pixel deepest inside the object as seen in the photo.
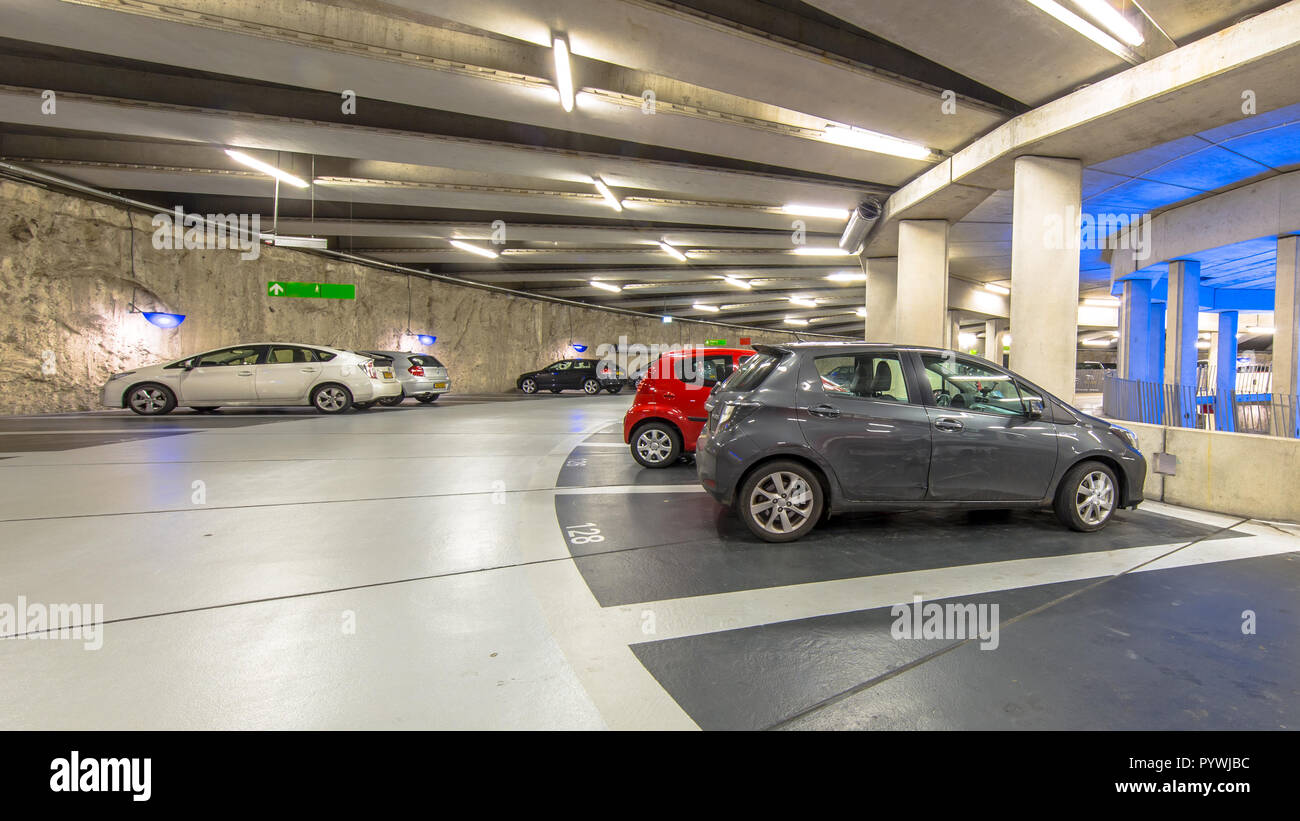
(993, 331)
(1286, 318)
(954, 331)
(1181, 333)
(882, 298)
(922, 296)
(1046, 203)
(1134, 359)
(1286, 336)
(1225, 364)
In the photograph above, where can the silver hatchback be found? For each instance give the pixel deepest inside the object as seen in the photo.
(421, 375)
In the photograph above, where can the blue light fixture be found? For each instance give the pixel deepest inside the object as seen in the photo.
(425, 339)
(666, 319)
(578, 348)
(163, 320)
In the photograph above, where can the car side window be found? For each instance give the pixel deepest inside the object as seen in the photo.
(560, 366)
(283, 356)
(703, 370)
(228, 356)
(865, 375)
(966, 384)
(582, 365)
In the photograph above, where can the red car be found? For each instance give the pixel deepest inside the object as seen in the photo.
(668, 413)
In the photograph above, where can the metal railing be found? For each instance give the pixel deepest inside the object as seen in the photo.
(1190, 406)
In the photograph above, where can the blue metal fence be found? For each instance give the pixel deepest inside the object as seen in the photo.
(1190, 406)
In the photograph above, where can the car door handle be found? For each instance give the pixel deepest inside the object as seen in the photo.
(825, 410)
(307, 370)
(948, 424)
(245, 373)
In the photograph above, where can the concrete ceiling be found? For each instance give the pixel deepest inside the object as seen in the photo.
(705, 117)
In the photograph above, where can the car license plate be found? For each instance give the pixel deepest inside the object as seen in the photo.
(388, 374)
(440, 384)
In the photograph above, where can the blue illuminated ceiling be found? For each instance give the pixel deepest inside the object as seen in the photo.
(1155, 178)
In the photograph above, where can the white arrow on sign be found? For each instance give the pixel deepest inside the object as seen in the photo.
(276, 288)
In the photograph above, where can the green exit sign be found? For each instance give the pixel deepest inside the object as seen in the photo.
(312, 290)
(716, 342)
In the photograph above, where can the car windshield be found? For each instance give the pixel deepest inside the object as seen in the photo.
(751, 373)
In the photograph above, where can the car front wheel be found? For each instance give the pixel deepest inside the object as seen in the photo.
(1087, 497)
(428, 398)
(591, 387)
(656, 445)
(780, 502)
(331, 399)
(151, 400)
(528, 386)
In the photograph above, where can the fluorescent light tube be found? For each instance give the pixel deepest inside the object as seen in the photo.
(266, 168)
(563, 72)
(474, 249)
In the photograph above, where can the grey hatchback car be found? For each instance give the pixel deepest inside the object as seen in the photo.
(421, 375)
(804, 430)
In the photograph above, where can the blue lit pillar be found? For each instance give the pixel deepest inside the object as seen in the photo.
(1153, 398)
(1135, 331)
(1183, 309)
(1225, 381)
(1286, 336)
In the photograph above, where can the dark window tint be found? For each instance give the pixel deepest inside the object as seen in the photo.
(963, 383)
(701, 370)
(752, 372)
(425, 360)
(866, 375)
(323, 356)
(583, 365)
(228, 356)
(281, 355)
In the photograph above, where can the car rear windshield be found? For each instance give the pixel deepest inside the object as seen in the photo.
(752, 372)
(425, 360)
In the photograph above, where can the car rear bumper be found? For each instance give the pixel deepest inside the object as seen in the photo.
(418, 387)
(717, 477)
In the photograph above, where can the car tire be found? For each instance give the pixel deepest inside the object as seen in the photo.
(528, 386)
(613, 388)
(785, 487)
(428, 398)
(331, 398)
(1087, 497)
(656, 445)
(591, 387)
(392, 401)
(205, 408)
(556, 390)
(151, 399)
(362, 405)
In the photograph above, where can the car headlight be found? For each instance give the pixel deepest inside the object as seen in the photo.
(1126, 436)
(728, 411)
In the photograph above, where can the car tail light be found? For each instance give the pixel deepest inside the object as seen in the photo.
(369, 367)
(416, 370)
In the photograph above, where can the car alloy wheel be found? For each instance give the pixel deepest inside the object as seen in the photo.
(331, 399)
(528, 386)
(1094, 498)
(781, 501)
(653, 445)
(150, 400)
(591, 387)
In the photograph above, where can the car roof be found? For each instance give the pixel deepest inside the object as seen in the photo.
(837, 345)
(694, 349)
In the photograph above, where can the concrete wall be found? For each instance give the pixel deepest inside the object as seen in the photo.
(1239, 474)
(66, 281)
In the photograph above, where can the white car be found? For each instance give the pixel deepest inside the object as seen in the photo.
(256, 374)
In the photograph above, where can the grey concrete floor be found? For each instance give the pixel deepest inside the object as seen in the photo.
(494, 563)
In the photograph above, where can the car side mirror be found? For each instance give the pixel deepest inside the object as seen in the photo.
(1035, 410)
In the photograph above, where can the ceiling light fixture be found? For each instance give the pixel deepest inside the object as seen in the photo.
(862, 312)
(814, 211)
(1263, 330)
(474, 249)
(807, 251)
(1112, 20)
(739, 283)
(846, 276)
(563, 71)
(605, 286)
(671, 251)
(803, 302)
(997, 289)
(790, 320)
(875, 142)
(700, 306)
(1085, 28)
(607, 194)
(1101, 302)
(266, 168)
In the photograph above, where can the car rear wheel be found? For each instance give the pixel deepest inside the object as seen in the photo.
(656, 445)
(590, 387)
(362, 405)
(392, 401)
(528, 386)
(331, 398)
(428, 398)
(151, 399)
(1087, 497)
(780, 502)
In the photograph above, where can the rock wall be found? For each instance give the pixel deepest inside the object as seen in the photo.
(67, 280)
